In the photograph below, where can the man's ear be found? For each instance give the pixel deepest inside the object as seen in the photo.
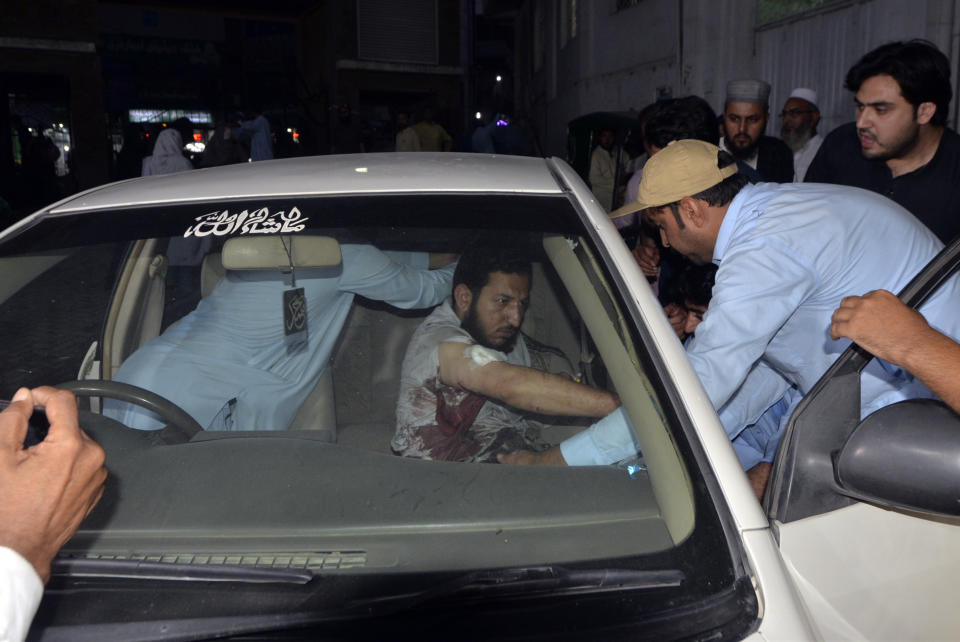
(925, 112)
(693, 211)
(815, 119)
(462, 298)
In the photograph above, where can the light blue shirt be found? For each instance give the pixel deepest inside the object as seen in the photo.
(232, 346)
(787, 255)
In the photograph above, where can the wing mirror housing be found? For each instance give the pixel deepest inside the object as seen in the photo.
(906, 455)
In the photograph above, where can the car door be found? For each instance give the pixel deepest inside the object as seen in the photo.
(875, 551)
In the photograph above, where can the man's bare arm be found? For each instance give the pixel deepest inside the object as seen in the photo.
(881, 323)
(523, 388)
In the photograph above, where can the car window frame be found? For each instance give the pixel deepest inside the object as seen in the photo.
(802, 480)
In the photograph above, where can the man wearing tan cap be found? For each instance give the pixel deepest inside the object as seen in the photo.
(786, 256)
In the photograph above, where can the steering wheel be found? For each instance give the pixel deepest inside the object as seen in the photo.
(181, 427)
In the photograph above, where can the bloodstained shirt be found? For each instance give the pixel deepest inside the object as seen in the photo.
(438, 421)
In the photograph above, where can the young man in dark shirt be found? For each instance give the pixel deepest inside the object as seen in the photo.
(899, 145)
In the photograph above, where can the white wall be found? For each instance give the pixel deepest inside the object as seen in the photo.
(619, 59)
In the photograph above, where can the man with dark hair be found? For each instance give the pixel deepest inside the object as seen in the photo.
(675, 119)
(787, 254)
(466, 375)
(746, 111)
(899, 145)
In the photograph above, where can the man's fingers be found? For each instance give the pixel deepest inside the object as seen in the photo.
(61, 407)
(13, 421)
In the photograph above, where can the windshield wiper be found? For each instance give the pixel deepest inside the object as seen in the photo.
(535, 580)
(532, 580)
(146, 570)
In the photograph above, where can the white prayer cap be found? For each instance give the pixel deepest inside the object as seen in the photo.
(803, 93)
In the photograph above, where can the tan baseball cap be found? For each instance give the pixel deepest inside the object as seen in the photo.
(682, 168)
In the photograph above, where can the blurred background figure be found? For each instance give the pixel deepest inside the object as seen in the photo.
(224, 147)
(184, 255)
(433, 137)
(407, 138)
(346, 137)
(511, 137)
(256, 131)
(40, 157)
(603, 166)
(481, 142)
(131, 154)
(167, 156)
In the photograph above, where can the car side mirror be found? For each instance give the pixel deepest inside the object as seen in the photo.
(906, 455)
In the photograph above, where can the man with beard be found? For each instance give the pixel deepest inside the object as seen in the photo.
(466, 376)
(899, 145)
(745, 114)
(799, 130)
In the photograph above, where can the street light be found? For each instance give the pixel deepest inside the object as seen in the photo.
(499, 78)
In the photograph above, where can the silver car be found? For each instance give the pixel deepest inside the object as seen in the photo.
(315, 529)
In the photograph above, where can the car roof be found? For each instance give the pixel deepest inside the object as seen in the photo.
(326, 175)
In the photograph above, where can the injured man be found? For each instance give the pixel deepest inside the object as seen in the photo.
(467, 385)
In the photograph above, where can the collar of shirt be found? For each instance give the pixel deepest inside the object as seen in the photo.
(747, 204)
(729, 223)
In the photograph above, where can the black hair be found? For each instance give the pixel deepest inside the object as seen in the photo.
(696, 283)
(716, 195)
(478, 262)
(921, 70)
(647, 112)
(688, 117)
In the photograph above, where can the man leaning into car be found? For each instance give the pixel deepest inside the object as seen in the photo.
(787, 255)
(466, 376)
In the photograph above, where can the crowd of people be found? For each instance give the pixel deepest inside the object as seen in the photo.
(790, 239)
(765, 258)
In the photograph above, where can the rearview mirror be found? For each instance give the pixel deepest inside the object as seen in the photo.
(906, 455)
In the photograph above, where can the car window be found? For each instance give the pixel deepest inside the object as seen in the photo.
(315, 485)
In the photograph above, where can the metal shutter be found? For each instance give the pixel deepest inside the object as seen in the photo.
(397, 31)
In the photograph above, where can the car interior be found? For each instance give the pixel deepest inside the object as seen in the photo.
(575, 325)
(326, 497)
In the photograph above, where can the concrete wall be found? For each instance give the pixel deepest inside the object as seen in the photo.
(620, 60)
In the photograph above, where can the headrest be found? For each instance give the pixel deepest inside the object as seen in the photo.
(269, 253)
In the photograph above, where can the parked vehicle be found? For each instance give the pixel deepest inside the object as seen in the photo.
(319, 531)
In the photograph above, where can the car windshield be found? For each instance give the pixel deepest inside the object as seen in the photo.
(270, 442)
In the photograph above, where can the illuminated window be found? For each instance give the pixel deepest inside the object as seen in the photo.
(168, 116)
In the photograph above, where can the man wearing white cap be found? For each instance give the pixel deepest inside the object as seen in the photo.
(799, 130)
(786, 255)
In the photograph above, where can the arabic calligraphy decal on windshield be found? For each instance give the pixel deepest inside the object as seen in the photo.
(255, 221)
